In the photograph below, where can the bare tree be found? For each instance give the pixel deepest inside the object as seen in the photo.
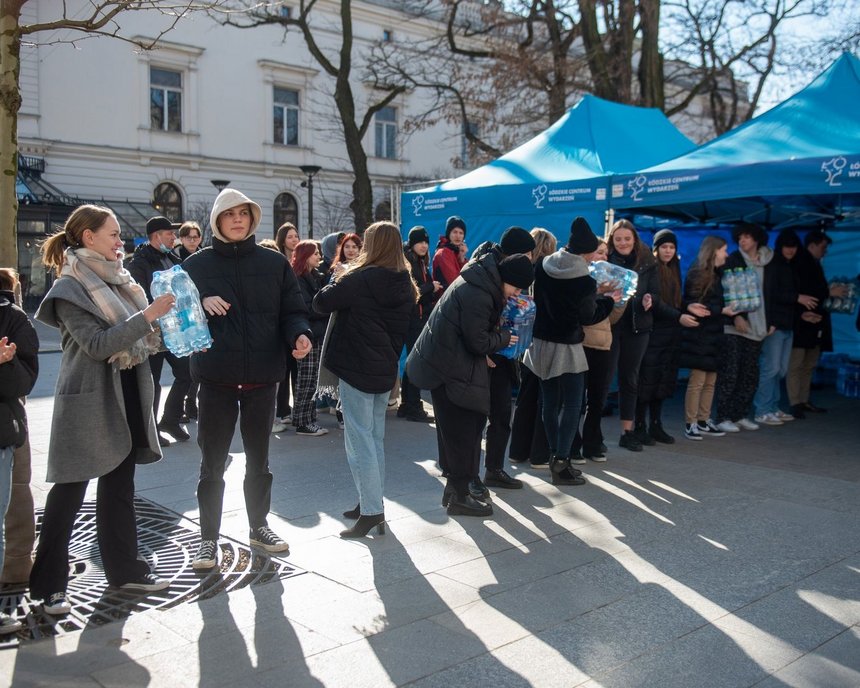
(86, 20)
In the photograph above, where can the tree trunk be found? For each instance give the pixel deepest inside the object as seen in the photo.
(10, 103)
(598, 64)
(651, 61)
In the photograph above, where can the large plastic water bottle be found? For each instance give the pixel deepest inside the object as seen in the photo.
(627, 280)
(753, 291)
(184, 328)
(519, 317)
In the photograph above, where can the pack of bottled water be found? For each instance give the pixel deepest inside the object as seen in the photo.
(741, 289)
(848, 380)
(627, 280)
(518, 316)
(184, 328)
(843, 304)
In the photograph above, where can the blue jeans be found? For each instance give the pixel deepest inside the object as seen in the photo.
(562, 403)
(363, 434)
(773, 366)
(7, 455)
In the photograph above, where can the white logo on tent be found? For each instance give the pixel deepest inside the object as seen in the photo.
(833, 168)
(417, 205)
(539, 192)
(637, 186)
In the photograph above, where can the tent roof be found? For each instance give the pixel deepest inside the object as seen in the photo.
(796, 162)
(593, 138)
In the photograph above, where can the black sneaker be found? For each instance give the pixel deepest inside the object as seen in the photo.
(692, 431)
(598, 455)
(420, 417)
(56, 604)
(501, 479)
(148, 582)
(207, 555)
(478, 490)
(312, 430)
(266, 538)
(175, 430)
(641, 433)
(629, 441)
(659, 434)
(709, 429)
(401, 411)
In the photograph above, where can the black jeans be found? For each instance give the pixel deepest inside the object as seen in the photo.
(174, 405)
(116, 529)
(627, 352)
(561, 397)
(597, 381)
(528, 437)
(458, 431)
(220, 406)
(499, 425)
(287, 387)
(410, 395)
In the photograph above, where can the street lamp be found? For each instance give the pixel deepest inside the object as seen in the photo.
(310, 171)
(220, 184)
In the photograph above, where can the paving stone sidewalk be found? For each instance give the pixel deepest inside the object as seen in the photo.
(729, 562)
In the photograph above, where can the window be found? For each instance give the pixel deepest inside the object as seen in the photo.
(285, 210)
(386, 133)
(286, 116)
(167, 200)
(387, 35)
(286, 12)
(165, 99)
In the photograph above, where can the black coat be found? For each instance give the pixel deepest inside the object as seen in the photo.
(18, 375)
(462, 331)
(658, 372)
(146, 260)
(811, 281)
(267, 313)
(310, 283)
(373, 307)
(701, 346)
(566, 299)
(635, 317)
(780, 293)
(419, 267)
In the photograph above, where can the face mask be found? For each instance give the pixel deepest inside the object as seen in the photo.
(163, 249)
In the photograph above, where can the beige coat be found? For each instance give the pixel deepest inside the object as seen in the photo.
(599, 335)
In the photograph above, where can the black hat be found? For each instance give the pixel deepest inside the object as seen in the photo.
(454, 221)
(756, 232)
(517, 270)
(516, 240)
(416, 235)
(159, 223)
(664, 236)
(582, 239)
(787, 239)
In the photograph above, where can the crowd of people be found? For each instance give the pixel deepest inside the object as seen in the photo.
(300, 326)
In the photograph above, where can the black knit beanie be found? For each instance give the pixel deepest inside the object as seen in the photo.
(454, 221)
(416, 235)
(517, 270)
(582, 239)
(516, 240)
(664, 236)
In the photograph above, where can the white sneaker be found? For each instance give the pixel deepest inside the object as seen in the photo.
(728, 426)
(56, 604)
(691, 432)
(747, 424)
(708, 429)
(783, 416)
(9, 624)
(278, 426)
(312, 430)
(768, 419)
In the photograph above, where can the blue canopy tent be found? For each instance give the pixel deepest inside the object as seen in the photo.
(547, 181)
(796, 165)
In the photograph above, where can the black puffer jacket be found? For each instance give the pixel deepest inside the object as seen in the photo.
(146, 260)
(566, 299)
(419, 266)
(18, 375)
(373, 307)
(780, 292)
(463, 329)
(658, 372)
(701, 346)
(635, 316)
(811, 281)
(266, 316)
(310, 283)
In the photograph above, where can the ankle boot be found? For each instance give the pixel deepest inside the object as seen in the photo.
(363, 525)
(353, 513)
(447, 494)
(641, 433)
(466, 505)
(563, 473)
(658, 433)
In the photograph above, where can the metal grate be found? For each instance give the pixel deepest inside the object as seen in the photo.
(168, 541)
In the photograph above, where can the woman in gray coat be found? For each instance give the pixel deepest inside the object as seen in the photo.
(103, 423)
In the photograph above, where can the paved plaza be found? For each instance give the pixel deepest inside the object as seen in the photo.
(729, 562)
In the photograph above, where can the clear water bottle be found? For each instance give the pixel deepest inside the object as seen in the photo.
(518, 316)
(184, 328)
(730, 289)
(627, 280)
(753, 291)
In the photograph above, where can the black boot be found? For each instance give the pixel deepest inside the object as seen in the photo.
(641, 433)
(630, 441)
(563, 473)
(353, 513)
(447, 494)
(464, 504)
(363, 525)
(657, 432)
(499, 478)
(478, 490)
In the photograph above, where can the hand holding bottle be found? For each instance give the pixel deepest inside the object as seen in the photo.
(161, 305)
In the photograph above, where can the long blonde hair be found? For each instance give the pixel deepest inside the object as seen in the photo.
(383, 248)
(545, 244)
(70, 235)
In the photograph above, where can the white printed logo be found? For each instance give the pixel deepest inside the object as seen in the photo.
(417, 205)
(833, 168)
(539, 192)
(637, 186)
